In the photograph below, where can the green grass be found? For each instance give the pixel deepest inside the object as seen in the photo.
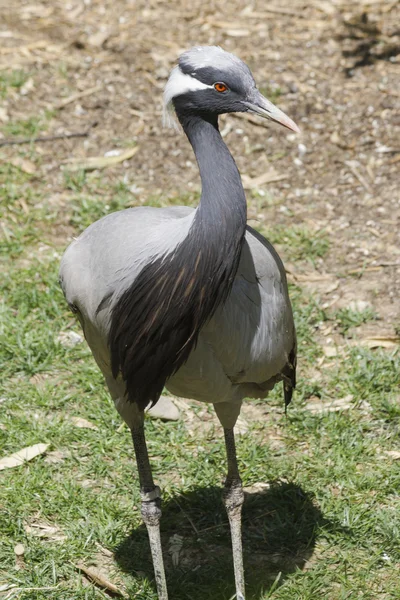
(29, 127)
(300, 242)
(329, 524)
(348, 318)
(272, 92)
(14, 79)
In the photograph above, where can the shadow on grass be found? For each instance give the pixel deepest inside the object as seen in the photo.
(280, 526)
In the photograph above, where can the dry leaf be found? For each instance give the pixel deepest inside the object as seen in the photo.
(43, 530)
(105, 551)
(24, 455)
(313, 277)
(83, 423)
(257, 488)
(251, 183)
(55, 456)
(99, 579)
(379, 342)
(238, 32)
(393, 454)
(317, 407)
(23, 164)
(99, 162)
(4, 587)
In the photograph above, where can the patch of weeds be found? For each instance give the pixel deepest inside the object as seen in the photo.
(272, 92)
(74, 180)
(87, 210)
(277, 156)
(348, 317)
(369, 375)
(190, 199)
(308, 313)
(299, 242)
(29, 127)
(10, 178)
(31, 297)
(14, 79)
(24, 217)
(62, 70)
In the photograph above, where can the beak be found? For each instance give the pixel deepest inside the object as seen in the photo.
(263, 107)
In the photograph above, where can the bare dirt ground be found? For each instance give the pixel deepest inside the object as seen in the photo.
(333, 66)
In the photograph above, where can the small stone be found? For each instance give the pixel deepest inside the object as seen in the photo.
(19, 550)
(164, 409)
(359, 305)
(69, 339)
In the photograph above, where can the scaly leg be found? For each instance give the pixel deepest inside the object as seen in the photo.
(233, 500)
(151, 507)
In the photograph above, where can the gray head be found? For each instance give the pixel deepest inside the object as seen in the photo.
(210, 81)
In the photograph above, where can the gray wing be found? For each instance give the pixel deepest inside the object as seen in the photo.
(109, 254)
(105, 259)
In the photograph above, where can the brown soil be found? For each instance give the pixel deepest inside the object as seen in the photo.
(333, 64)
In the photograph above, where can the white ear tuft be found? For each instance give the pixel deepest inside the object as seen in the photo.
(169, 119)
(178, 83)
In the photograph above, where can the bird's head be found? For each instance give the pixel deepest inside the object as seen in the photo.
(209, 81)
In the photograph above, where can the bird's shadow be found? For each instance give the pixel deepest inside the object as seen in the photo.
(280, 526)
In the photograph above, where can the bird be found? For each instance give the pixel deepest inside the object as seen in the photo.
(191, 299)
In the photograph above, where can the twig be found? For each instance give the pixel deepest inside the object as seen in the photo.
(77, 96)
(48, 138)
(277, 11)
(16, 590)
(187, 516)
(376, 267)
(358, 175)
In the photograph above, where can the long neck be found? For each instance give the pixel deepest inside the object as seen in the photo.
(221, 214)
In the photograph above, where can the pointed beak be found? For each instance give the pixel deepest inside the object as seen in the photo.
(263, 107)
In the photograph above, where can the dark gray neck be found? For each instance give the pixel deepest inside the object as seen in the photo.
(222, 209)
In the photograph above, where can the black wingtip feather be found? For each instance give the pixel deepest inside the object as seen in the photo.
(289, 377)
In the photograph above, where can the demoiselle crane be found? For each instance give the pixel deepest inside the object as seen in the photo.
(191, 299)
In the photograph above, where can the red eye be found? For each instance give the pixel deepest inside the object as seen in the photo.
(220, 87)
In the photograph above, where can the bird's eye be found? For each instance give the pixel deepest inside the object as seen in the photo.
(220, 87)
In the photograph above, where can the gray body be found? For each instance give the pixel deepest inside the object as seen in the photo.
(240, 352)
(191, 299)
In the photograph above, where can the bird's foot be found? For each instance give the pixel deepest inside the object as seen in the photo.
(151, 514)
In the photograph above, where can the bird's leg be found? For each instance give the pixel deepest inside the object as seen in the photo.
(233, 500)
(151, 508)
